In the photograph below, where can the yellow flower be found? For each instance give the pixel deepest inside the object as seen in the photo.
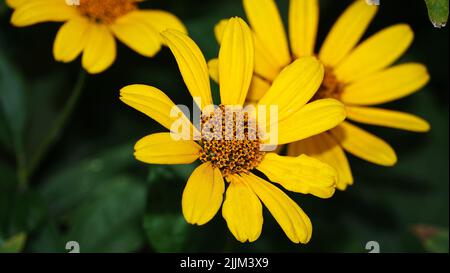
(359, 75)
(91, 26)
(235, 160)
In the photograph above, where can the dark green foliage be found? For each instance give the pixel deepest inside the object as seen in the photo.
(91, 190)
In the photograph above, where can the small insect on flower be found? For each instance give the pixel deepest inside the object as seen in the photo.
(358, 75)
(228, 139)
(91, 25)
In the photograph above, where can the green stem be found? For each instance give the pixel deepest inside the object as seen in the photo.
(58, 126)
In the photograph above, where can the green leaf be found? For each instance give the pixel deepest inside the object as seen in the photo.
(438, 243)
(438, 12)
(167, 232)
(109, 220)
(14, 244)
(19, 211)
(8, 177)
(49, 239)
(164, 224)
(26, 212)
(67, 188)
(12, 98)
(45, 93)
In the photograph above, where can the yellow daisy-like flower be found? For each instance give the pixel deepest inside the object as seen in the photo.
(359, 75)
(235, 160)
(91, 26)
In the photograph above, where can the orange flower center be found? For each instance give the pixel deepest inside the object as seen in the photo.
(230, 141)
(330, 88)
(106, 11)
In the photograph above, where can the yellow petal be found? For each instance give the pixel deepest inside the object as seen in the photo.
(376, 53)
(300, 174)
(203, 194)
(303, 23)
(160, 20)
(236, 62)
(266, 66)
(100, 50)
(295, 86)
(387, 85)
(15, 3)
(314, 118)
(192, 65)
(364, 145)
(71, 39)
(387, 118)
(134, 31)
(294, 222)
(258, 88)
(213, 68)
(38, 11)
(266, 22)
(242, 210)
(325, 148)
(155, 104)
(219, 29)
(161, 148)
(346, 32)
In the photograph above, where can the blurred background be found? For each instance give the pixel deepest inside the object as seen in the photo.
(90, 189)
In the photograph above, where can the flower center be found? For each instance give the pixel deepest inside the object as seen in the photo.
(330, 88)
(106, 11)
(230, 141)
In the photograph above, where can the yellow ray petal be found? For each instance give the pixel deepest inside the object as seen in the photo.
(219, 28)
(325, 148)
(100, 50)
(314, 118)
(258, 88)
(387, 85)
(38, 11)
(300, 174)
(236, 64)
(266, 65)
(303, 23)
(364, 145)
(295, 86)
(71, 39)
(242, 210)
(137, 34)
(346, 32)
(387, 118)
(376, 53)
(192, 65)
(266, 22)
(161, 148)
(203, 194)
(213, 68)
(155, 104)
(159, 20)
(15, 3)
(294, 222)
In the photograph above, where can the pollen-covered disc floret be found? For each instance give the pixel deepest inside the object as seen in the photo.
(106, 11)
(330, 88)
(230, 141)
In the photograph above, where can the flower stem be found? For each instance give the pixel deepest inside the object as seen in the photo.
(58, 126)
